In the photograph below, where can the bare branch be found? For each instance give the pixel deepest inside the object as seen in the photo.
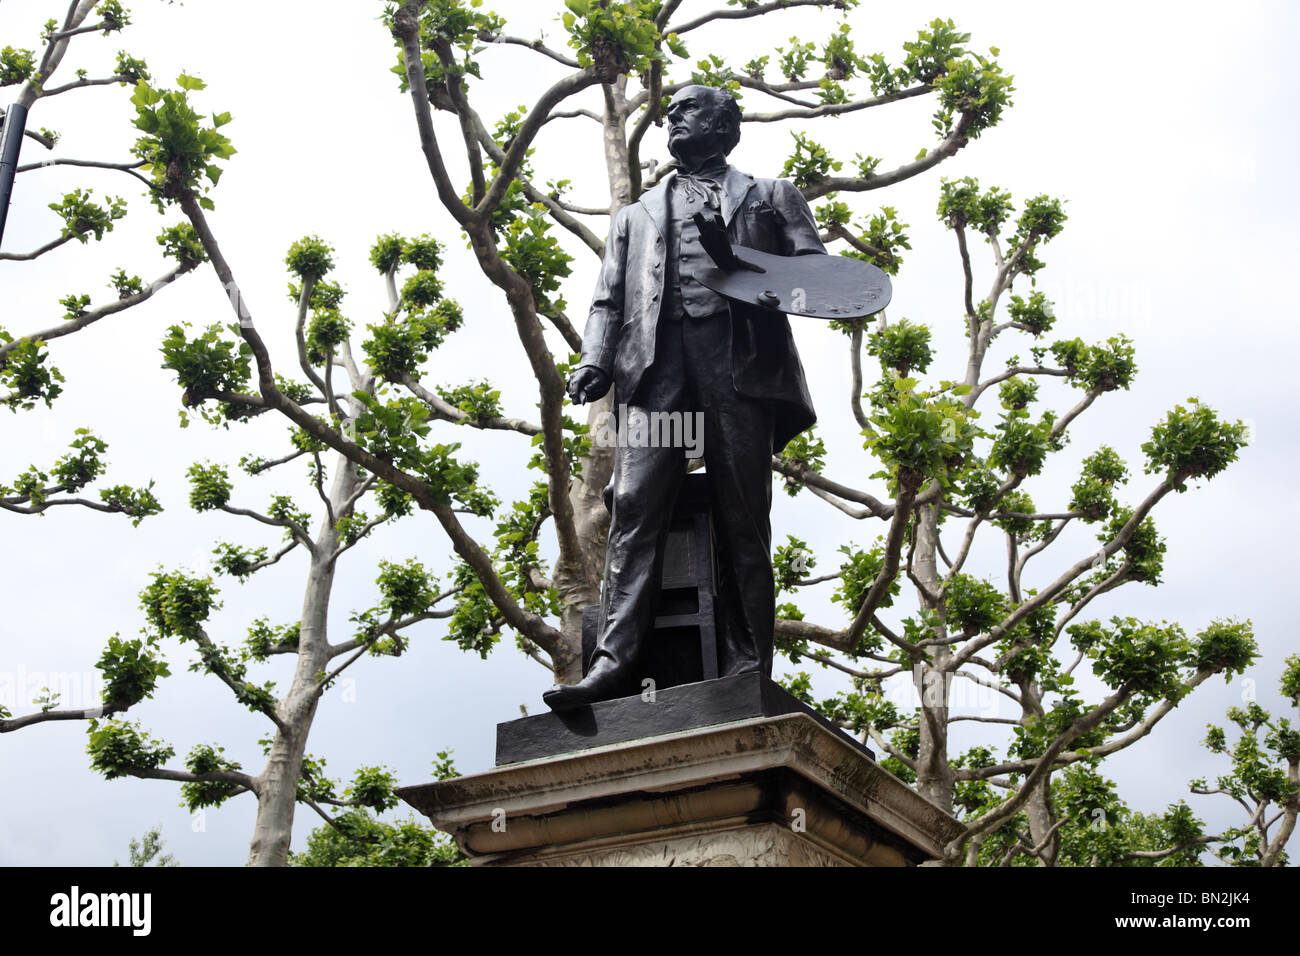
(947, 148)
(38, 252)
(209, 652)
(406, 29)
(10, 724)
(304, 303)
(812, 479)
(241, 780)
(446, 411)
(1171, 850)
(565, 327)
(80, 83)
(536, 45)
(834, 109)
(514, 157)
(754, 10)
(273, 559)
(855, 367)
(573, 114)
(94, 315)
(8, 504)
(55, 49)
(297, 530)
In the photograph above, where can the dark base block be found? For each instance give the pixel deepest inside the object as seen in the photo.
(674, 709)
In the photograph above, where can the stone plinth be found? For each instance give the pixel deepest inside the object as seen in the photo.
(764, 791)
(724, 700)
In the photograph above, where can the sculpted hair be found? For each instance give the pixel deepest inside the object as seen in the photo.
(728, 107)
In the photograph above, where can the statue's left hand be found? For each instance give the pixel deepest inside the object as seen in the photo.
(716, 242)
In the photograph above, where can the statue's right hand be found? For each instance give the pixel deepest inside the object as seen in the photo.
(587, 384)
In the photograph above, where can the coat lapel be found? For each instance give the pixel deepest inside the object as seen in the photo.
(735, 187)
(655, 201)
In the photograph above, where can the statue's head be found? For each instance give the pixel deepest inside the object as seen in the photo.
(702, 120)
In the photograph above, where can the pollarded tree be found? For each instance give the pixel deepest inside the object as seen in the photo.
(130, 668)
(944, 469)
(350, 504)
(1265, 777)
(26, 375)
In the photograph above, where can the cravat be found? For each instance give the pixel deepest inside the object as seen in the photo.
(700, 187)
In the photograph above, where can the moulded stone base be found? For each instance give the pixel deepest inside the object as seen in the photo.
(768, 844)
(765, 791)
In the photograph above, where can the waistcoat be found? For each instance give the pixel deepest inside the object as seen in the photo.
(683, 293)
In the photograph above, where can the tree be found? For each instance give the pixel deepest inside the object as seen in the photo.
(148, 850)
(937, 466)
(1265, 778)
(27, 378)
(355, 838)
(25, 371)
(942, 467)
(178, 604)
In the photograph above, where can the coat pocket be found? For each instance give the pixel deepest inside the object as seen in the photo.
(764, 211)
(762, 226)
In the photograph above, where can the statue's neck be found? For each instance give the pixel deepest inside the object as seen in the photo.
(714, 164)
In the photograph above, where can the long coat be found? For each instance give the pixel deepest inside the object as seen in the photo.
(766, 214)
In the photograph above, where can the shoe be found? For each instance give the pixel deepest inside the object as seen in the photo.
(601, 684)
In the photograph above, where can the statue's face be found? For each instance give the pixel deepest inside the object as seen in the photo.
(692, 115)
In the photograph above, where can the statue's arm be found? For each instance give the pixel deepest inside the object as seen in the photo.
(605, 320)
(800, 236)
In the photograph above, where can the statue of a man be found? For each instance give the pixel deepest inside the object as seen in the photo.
(669, 344)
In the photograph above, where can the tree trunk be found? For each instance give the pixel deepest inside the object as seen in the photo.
(934, 775)
(277, 794)
(578, 581)
(1039, 808)
(1042, 815)
(277, 786)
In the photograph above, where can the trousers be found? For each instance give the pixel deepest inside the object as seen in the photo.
(691, 375)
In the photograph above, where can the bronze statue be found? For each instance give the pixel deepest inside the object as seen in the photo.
(667, 342)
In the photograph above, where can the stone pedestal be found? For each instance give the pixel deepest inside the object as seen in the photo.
(778, 790)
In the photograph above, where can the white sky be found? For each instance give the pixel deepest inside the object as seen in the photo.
(1166, 126)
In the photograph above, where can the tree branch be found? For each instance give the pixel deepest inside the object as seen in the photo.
(38, 252)
(406, 28)
(834, 109)
(94, 315)
(754, 10)
(10, 724)
(536, 45)
(947, 147)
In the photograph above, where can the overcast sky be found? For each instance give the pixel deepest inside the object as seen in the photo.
(1169, 128)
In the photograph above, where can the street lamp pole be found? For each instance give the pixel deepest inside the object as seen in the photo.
(15, 122)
